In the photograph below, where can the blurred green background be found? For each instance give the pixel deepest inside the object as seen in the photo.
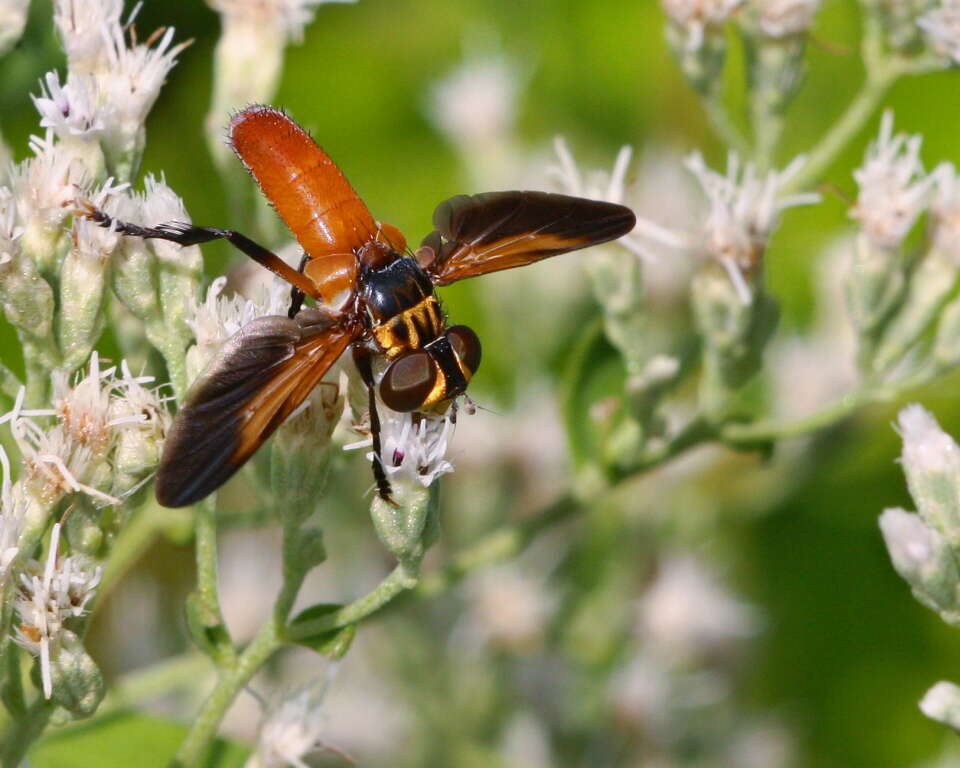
(847, 652)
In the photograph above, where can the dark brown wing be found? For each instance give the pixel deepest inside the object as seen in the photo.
(500, 230)
(255, 382)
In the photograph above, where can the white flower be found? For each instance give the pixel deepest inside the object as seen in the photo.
(696, 16)
(90, 241)
(140, 420)
(744, 209)
(782, 18)
(90, 415)
(218, 317)
(288, 16)
(476, 103)
(44, 186)
(894, 190)
(48, 595)
(84, 408)
(941, 28)
(945, 211)
(612, 187)
(159, 204)
(71, 109)
(80, 24)
(942, 703)
(685, 612)
(132, 77)
(414, 445)
(291, 731)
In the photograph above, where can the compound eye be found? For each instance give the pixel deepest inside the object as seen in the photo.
(467, 346)
(408, 382)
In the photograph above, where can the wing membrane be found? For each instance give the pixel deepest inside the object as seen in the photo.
(500, 230)
(256, 381)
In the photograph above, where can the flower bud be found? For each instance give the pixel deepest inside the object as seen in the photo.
(942, 703)
(696, 38)
(774, 69)
(931, 463)
(83, 528)
(26, 297)
(735, 335)
(77, 682)
(304, 550)
(82, 283)
(141, 422)
(930, 285)
(401, 525)
(132, 279)
(876, 287)
(180, 267)
(300, 455)
(923, 558)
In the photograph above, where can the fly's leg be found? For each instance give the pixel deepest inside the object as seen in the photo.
(187, 234)
(362, 359)
(296, 295)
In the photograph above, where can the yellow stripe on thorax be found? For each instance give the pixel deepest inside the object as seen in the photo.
(411, 329)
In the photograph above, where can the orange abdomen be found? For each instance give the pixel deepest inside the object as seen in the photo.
(310, 193)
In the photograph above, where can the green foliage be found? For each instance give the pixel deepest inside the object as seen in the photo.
(125, 738)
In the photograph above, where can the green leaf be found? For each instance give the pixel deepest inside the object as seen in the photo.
(333, 642)
(125, 738)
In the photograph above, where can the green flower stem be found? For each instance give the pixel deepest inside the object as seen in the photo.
(24, 732)
(194, 748)
(851, 122)
(208, 590)
(738, 434)
(699, 430)
(761, 431)
(400, 579)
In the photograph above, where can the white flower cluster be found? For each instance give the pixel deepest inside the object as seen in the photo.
(220, 315)
(99, 412)
(113, 80)
(413, 446)
(941, 28)
(46, 597)
(744, 209)
(894, 189)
